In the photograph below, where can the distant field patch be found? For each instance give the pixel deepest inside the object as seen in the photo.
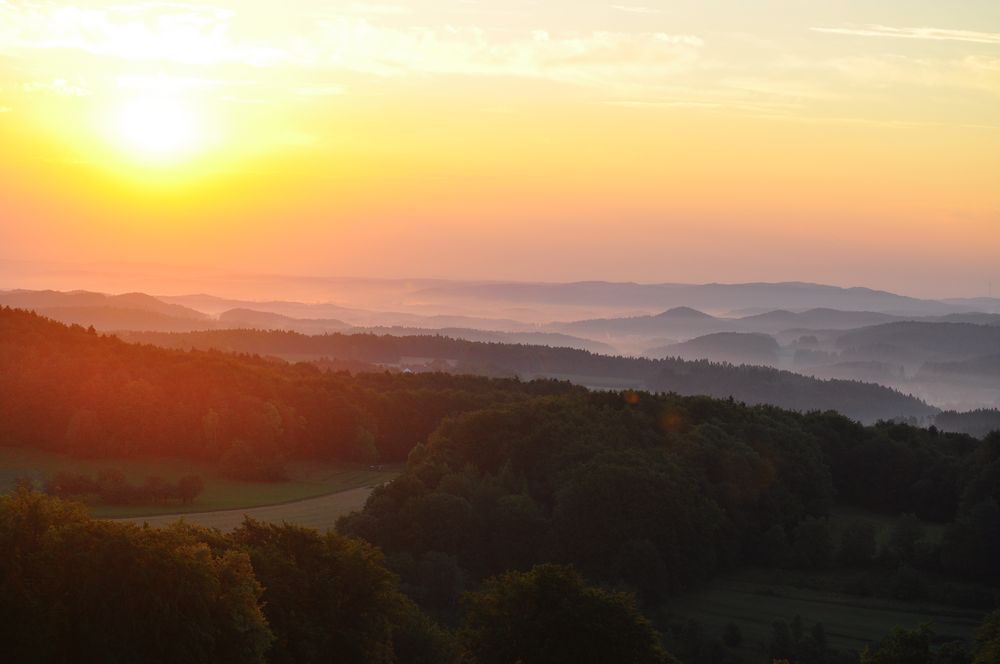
(591, 382)
(841, 516)
(306, 480)
(320, 513)
(851, 622)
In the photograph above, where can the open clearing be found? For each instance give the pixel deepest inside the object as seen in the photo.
(850, 622)
(321, 513)
(307, 479)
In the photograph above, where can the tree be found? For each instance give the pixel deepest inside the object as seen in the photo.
(988, 640)
(782, 645)
(798, 629)
(812, 546)
(114, 488)
(188, 488)
(84, 436)
(65, 484)
(732, 636)
(252, 462)
(640, 566)
(908, 584)
(365, 450)
(155, 490)
(324, 595)
(901, 647)
(971, 546)
(857, 544)
(76, 589)
(906, 533)
(774, 549)
(549, 615)
(416, 639)
(953, 652)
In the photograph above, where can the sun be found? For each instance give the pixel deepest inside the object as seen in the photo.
(157, 128)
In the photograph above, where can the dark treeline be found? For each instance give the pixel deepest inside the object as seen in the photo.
(78, 590)
(977, 423)
(865, 402)
(71, 390)
(660, 493)
(111, 487)
(912, 340)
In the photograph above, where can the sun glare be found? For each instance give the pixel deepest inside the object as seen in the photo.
(157, 128)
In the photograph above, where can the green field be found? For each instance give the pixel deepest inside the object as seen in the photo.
(841, 516)
(306, 480)
(320, 513)
(591, 382)
(754, 599)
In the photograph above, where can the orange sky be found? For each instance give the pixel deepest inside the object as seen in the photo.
(668, 141)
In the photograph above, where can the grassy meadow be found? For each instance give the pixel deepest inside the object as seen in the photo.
(320, 513)
(754, 599)
(306, 480)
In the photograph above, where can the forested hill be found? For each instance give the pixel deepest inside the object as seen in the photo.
(660, 492)
(865, 402)
(72, 390)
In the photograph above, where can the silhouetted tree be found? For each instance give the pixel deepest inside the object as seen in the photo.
(901, 647)
(548, 615)
(189, 487)
(987, 648)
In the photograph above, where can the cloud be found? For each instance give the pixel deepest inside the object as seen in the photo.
(974, 73)
(154, 31)
(378, 9)
(320, 90)
(587, 58)
(354, 40)
(60, 87)
(930, 34)
(636, 9)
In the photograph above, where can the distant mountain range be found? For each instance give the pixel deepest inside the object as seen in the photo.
(131, 311)
(266, 320)
(48, 299)
(890, 349)
(986, 368)
(752, 384)
(732, 347)
(707, 297)
(687, 322)
(920, 341)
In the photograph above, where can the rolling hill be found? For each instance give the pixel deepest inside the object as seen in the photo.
(920, 341)
(755, 385)
(709, 297)
(732, 347)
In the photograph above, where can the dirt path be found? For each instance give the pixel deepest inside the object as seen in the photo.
(321, 512)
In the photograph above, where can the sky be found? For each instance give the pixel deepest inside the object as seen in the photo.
(852, 143)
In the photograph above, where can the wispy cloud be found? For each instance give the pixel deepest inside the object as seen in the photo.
(636, 9)
(973, 73)
(378, 9)
(929, 34)
(353, 41)
(171, 32)
(320, 90)
(598, 58)
(60, 87)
